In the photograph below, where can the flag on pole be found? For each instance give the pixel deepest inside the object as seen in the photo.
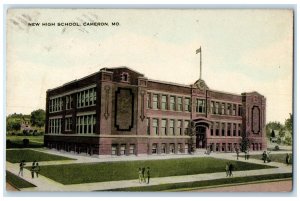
(199, 50)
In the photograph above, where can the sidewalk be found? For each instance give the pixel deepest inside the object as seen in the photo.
(45, 184)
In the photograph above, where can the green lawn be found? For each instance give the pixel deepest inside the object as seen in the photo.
(17, 141)
(202, 184)
(113, 171)
(280, 158)
(15, 156)
(17, 182)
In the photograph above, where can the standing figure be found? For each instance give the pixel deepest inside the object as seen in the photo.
(237, 153)
(230, 169)
(140, 175)
(264, 156)
(148, 175)
(227, 169)
(22, 165)
(287, 159)
(248, 155)
(32, 169)
(143, 175)
(37, 169)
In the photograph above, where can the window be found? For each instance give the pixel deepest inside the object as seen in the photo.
(163, 102)
(228, 109)
(163, 148)
(114, 149)
(234, 110)
(186, 127)
(229, 147)
(132, 149)
(171, 130)
(148, 101)
(154, 148)
(186, 148)
(240, 110)
(179, 100)
(68, 123)
(200, 106)
(223, 108)
(155, 101)
(187, 106)
(212, 129)
(86, 98)
(69, 101)
(155, 126)
(148, 126)
(55, 104)
(55, 125)
(124, 77)
(228, 129)
(123, 149)
(172, 103)
(212, 107)
(239, 129)
(223, 129)
(234, 129)
(172, 148)
(163, 127)
(217, 128)
(86, 124)
(179, 127)
(217, 108)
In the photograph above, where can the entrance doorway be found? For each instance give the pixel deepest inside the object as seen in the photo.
(200, 137)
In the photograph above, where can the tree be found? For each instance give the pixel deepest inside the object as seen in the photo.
(245, 143)
(38, 117)
(271, 126)
(288, 124)
(13, 124)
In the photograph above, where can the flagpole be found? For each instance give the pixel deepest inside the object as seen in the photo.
(200, 63)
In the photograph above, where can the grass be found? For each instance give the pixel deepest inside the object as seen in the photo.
(114, 171)
(15, 156)
(208, 183)
(17, 182)
(280, 158)
(17, 142)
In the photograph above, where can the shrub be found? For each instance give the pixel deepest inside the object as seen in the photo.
(8, 142)
(25, 142)
(276, 148)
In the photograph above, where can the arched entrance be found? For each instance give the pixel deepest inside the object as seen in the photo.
(202, 128)
(200, 137)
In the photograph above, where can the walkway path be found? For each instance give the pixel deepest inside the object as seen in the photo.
(45, 184)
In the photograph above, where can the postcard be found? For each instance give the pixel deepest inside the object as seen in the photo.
(149, 100)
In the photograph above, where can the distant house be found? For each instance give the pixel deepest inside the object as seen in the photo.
(25, 123)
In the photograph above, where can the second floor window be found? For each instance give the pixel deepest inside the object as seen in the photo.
(187, 105)
(163, 102)
(172, 103)
(200, 106)
(155, 101)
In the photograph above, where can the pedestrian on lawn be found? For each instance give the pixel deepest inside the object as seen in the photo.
(37, 169)
(230, 169)
(148, 175)
(140, 175)
(22, 165)
(32, 169)
(287, 159)
(143, 174)
(227, 169)
(264, 156)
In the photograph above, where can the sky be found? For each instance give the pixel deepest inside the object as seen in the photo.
(242, 51)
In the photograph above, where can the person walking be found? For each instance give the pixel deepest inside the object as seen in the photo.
(22, 165)
(227, 169)
(264, 156)
(140, 175)
(32, 169)
(143, 175)
(148, 175)
(37, 169)
(237, 153)
(287, 159)
(230, 170)
(248, 154)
